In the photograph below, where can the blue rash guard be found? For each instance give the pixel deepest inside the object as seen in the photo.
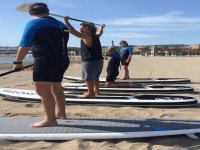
(48, 39)
(125, 52)
(46, 36)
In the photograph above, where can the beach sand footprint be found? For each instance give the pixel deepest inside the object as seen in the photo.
(32, 105)
(23, 85)
(167, 115)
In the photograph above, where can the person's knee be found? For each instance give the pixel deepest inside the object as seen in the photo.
(42, 92)
(126, 67)
(39, 91)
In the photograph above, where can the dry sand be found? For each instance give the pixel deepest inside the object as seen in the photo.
(140, 67)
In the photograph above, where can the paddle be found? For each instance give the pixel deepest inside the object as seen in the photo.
(8, 72)
(25, 8)
(113, 43)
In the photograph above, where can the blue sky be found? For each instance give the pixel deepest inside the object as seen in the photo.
(140, 22)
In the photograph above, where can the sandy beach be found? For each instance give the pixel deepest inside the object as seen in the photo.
(140, 67)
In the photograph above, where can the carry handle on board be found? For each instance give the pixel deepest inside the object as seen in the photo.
(15, 70)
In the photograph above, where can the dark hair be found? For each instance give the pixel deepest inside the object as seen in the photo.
(91, 27)
(123, 42)
(38, 8)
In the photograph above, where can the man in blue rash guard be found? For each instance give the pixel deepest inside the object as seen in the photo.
(126, 54)
(47, 38)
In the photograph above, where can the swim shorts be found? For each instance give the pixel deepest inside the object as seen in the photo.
(91, 70)
(49, 69)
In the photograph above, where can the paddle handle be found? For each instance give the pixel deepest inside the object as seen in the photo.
(113, 43)
(8, 72)
(72, 18)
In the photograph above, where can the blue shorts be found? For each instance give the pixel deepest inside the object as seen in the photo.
(49, 69)
(91, 70)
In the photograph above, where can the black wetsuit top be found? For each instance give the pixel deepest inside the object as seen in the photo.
(92, 53)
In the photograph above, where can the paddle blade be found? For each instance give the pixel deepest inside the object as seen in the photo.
(23, 7)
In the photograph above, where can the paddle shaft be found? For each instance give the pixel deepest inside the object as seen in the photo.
(72, 19)
(25, 8)
(113, 43)
(8, 72)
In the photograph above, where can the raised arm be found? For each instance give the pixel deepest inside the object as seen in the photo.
(100, 30)
(72, 30)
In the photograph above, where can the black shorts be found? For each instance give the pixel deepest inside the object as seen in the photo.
(50, 69)
(112, 70)
(124, 63)
(111, 77)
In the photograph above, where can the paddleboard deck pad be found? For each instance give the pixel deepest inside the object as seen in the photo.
(131, 88)
(138, 80)
(17, 128)
(137, 100)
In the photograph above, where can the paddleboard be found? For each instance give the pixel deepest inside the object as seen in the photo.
(138, 80)
(131, 88)
(137, 100)
(88, 128)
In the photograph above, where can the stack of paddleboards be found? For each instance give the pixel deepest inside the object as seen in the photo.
(123, 95)
(106, 99)
(138, 85)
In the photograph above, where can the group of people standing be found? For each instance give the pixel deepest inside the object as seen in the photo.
(118, 56)
(47, 38)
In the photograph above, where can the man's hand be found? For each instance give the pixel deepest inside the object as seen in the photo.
(18, 67)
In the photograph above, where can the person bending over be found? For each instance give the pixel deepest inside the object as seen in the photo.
(113, 65)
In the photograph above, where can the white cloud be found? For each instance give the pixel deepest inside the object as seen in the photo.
(174, 17)
(128, 35)
(156, 29)
(151, 26)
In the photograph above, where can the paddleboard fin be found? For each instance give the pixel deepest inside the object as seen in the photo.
(193, 136)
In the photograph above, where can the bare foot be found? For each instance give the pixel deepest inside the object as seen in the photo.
(44, 123)
(86, 95)
(58, 117)
(125, 78)
(61, 117)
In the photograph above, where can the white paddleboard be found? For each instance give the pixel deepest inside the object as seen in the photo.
(17, 128)
(138, 100)
(138, 80)
(133, 88)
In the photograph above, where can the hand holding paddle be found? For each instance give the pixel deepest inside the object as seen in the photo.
(15, 70)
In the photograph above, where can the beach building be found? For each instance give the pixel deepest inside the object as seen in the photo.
(168, 50)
